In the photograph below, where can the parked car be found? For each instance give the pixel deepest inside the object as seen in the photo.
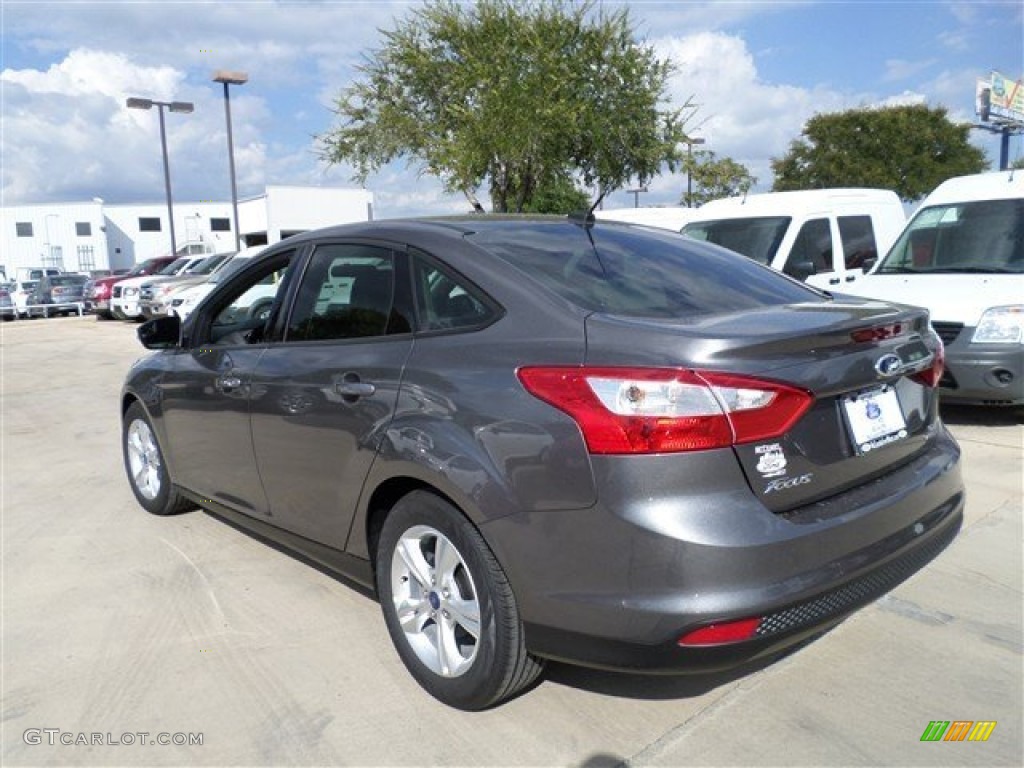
(57, 295)
(124, 297)
(544, 437)
(826, 232)
(184, 302)
(962, 257)
(155, 295)
(34, 273)
(21, 290)
(8, 310)
(99, 291)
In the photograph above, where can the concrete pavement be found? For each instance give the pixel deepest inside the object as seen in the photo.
(117, 623)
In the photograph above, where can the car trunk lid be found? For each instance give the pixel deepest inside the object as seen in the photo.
(865, 363)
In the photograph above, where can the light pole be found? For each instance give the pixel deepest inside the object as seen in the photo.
(231, 78)
(689, 168)
(636, 195)
(185, 107)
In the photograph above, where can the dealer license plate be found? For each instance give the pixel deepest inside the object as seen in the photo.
(875, 418)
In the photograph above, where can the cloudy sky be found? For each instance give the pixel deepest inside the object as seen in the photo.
(757, 70)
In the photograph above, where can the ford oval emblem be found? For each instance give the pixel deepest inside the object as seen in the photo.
(888, 365)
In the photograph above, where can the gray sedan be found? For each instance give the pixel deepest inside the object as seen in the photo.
(549, 438)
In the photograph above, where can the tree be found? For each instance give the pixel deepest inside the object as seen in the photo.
(519, 95)
(910, 149)
(711, 179)
(559, 195)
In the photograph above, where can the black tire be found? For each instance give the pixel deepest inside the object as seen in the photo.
(102, 314)
(500, 665)
(159, 496)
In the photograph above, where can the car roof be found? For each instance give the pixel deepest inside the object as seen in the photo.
(454, 226)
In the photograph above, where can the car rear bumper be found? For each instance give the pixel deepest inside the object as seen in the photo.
(983, 374)
(617, 589)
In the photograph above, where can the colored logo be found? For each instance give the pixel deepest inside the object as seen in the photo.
(888, 365)
(958, 730)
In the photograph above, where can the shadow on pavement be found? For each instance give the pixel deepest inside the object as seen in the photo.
(979, 415)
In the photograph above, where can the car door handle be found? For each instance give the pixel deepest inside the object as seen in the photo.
(354, 388)
(833, 281)
(228, 383)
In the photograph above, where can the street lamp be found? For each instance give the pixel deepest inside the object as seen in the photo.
(185, 107)
(636, 195)
(231, 78)
(689, 168)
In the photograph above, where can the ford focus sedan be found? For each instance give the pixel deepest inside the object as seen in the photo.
(549, 438)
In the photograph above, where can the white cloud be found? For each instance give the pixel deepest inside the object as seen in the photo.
(739, 115)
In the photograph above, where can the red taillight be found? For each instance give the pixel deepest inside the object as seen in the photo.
(931, 376)
(878, 333)
(726, 632)
(666, 410)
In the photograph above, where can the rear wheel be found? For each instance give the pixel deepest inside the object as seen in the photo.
(449, 607)
(144, 463)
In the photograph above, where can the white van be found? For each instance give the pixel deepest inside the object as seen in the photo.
(829, 233)
(962, 257)
(667, 217)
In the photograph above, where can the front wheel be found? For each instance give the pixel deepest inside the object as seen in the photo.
(449, 607)
(144, 463)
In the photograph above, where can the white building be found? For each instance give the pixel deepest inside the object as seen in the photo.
(97, 237)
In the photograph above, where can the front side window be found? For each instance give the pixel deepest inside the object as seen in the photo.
(985, 236)
(244, 314)
(347, 292)
(812, 250)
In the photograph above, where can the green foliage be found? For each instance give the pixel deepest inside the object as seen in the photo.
(909, 149)
(517, 95)
(712, 178)
(558, 195)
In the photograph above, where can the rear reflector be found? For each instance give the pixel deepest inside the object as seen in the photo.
(717, 634)
(666, 410)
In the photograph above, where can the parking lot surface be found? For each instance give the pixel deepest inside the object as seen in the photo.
(117, 624)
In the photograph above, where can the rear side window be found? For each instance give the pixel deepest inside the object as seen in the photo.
(444, 301)
(755, 237)
(813, 247)
(858, 236)
(637, 273)
(347, 292)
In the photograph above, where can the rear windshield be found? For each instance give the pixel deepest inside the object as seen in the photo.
(756, 237)
(985, 236)
(174, 266)
(68, 280)
(208, 265)
(637, 273)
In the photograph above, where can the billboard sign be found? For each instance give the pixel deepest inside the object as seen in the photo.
(1005, 99)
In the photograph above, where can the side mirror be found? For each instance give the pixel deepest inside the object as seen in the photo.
(161, 332)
